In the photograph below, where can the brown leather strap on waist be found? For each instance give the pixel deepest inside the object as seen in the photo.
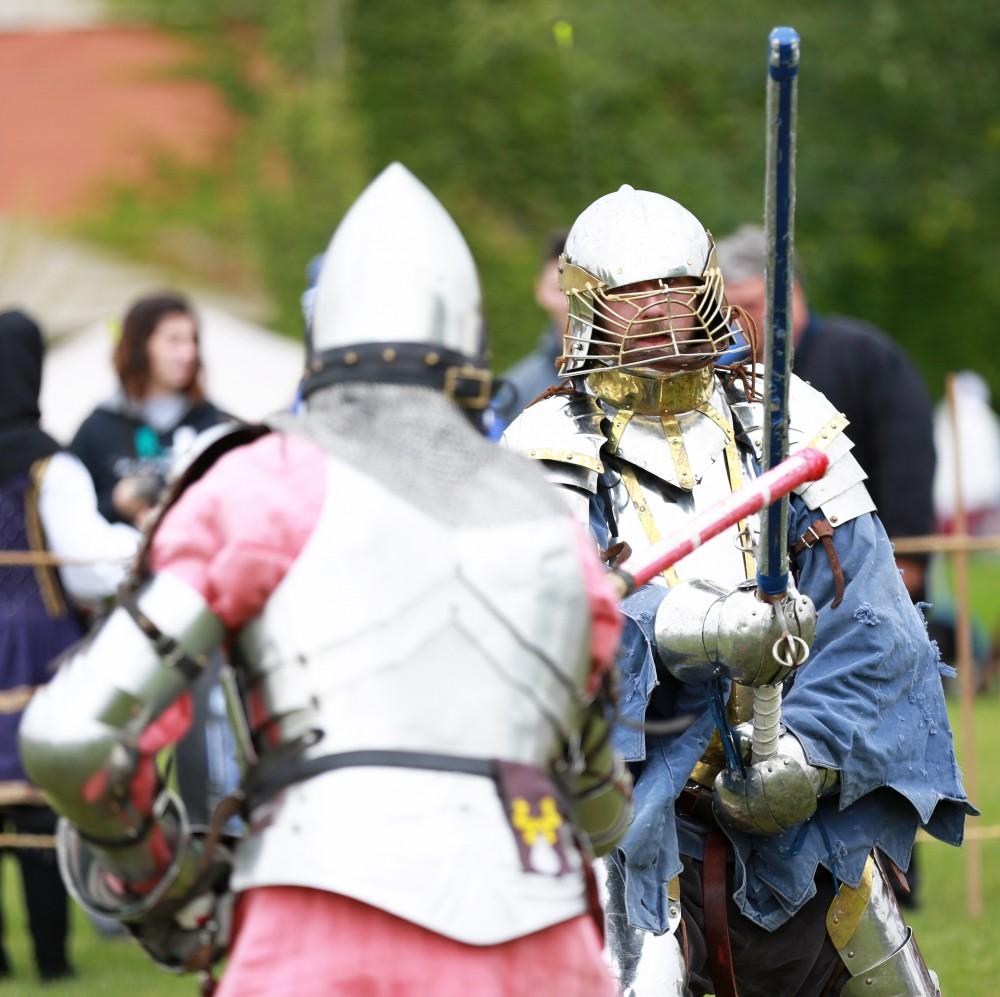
(714, 897)
(822, 532)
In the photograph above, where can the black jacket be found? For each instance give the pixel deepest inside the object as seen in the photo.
(876, 385)
(113, 441)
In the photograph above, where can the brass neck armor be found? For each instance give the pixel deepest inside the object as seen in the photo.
(681, 392)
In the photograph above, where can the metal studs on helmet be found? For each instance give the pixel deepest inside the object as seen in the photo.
(644, 288)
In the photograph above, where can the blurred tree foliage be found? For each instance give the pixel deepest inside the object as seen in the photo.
(518, 113)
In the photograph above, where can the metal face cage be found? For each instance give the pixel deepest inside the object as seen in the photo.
(658, 326)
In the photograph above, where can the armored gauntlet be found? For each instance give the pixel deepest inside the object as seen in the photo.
(703, 629)
(774, 794)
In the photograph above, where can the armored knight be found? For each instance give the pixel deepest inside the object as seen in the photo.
(427, 740)
(771, 864)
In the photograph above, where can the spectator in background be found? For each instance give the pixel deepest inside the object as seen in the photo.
(869, 377)
(979, 455)
(47, 505)
(532, 374)
(127, 442)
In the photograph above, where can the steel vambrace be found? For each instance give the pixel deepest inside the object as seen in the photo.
(80, 736)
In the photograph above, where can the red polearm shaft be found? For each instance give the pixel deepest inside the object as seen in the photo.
(806, 465)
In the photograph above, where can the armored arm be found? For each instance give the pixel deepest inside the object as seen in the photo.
(703, 630)
(599, 787)
(88, 738)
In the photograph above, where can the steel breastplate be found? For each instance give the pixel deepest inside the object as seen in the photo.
(672, 466)
(403, 632)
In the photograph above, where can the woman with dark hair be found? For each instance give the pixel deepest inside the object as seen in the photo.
(128, 441)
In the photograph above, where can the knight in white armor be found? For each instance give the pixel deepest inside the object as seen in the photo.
(770, 863)
(422, 640)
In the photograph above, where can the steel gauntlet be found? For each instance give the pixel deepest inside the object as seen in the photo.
(702, 630)
(774, 794)
(183, 921)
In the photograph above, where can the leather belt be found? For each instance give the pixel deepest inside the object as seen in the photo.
(715, 895)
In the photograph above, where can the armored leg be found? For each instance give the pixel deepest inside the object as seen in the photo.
(875, 943)
(645, 965)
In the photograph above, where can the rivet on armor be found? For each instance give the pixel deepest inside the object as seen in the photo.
(532, 453)
(350, 358)
(836, 919)
(850, 955)
(868, 981)
(431, 359)
(673, 912)
(388, 354)
(834, 519)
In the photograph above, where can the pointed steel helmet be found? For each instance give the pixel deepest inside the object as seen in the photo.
(631, 237)
(398, 297)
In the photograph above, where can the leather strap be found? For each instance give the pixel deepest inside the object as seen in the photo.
(714, 897)
(267, 784)
(563, 388)
(822, 532)
(172, 653)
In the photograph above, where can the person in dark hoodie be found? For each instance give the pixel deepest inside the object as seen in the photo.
(47, 507)
(128, 441)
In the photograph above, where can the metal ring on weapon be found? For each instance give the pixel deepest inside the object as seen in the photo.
(746, 546)
(792, 643)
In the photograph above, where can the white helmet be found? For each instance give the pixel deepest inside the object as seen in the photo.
(638, 237)
(398, 299)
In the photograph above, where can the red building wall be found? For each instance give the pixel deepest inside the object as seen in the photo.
(81, 109)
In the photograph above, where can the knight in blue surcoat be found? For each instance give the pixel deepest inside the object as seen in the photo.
(777, 864)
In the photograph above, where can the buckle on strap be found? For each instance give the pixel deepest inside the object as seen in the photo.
(468, 386)
(805, 541)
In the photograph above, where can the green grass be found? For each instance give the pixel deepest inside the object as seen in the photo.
(964, 952)
(105, 967)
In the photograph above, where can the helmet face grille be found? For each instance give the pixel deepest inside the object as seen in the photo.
(657, 326)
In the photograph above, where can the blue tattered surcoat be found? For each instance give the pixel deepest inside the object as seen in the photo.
(868, 703)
